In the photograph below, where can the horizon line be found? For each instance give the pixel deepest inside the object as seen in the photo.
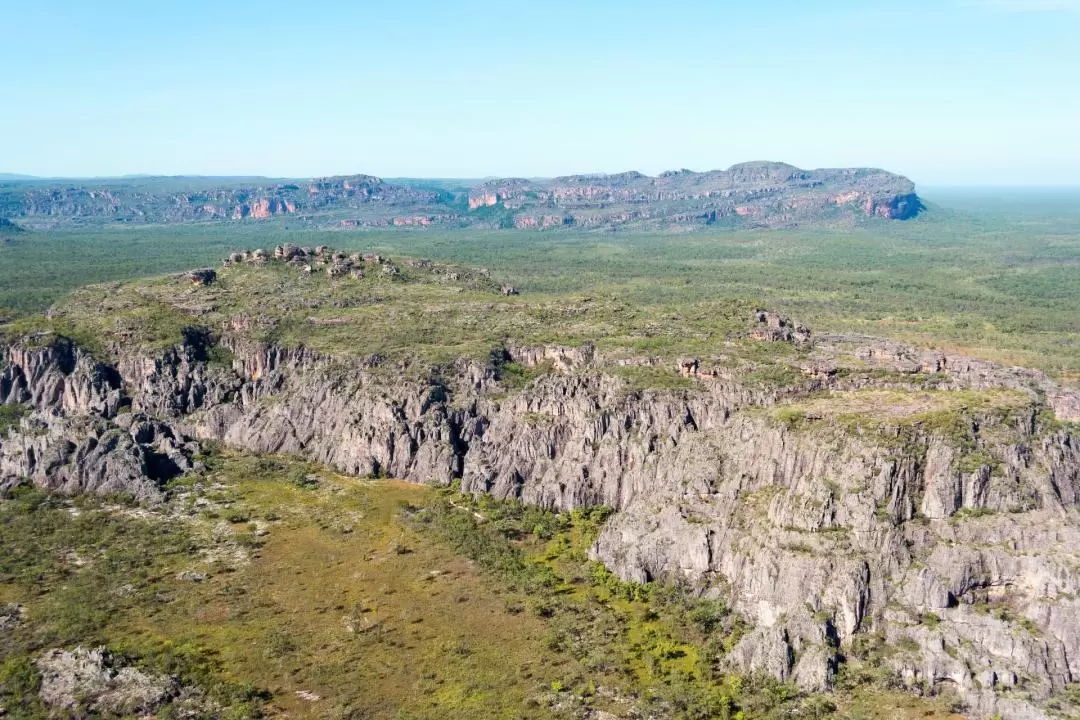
(7, 177)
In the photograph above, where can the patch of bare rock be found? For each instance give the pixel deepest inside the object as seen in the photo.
(95, 681)
(11, 616)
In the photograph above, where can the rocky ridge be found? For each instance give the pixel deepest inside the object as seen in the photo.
(892, 507)
(757, 194)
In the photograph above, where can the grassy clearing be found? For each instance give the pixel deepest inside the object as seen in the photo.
(894, 406)
(338, 599)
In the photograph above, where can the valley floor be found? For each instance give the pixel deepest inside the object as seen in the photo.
(271, 587)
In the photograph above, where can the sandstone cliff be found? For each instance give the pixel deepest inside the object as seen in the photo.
(754, 194)
(748, 195)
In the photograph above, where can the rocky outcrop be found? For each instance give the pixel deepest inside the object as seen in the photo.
(94, 681)
(203, 276)
(80, 436)
(134, 456)
(11, 616)
(523, 222)
(771, 326)
(70, 679)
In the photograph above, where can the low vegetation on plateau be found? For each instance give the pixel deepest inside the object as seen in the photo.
(391, 308)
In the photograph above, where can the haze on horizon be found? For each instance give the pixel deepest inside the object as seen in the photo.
(954, 92)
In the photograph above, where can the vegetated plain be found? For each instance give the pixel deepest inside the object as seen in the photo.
(998, 277)
(278, 588)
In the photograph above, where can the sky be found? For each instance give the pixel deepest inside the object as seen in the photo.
(947, 92)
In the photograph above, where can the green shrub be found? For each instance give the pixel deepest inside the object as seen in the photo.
(10, 415)
(19, 684)
(301, 478)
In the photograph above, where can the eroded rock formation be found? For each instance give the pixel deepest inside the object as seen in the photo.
(946, 534)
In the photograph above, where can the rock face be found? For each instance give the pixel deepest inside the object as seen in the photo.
(950, 543)
(78, 439)
(820, 538)
(756, 194)
(759, 194)
(263, 208)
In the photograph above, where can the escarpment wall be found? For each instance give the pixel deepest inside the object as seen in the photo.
(819, 534)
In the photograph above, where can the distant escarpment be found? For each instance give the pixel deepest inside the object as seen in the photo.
(169, 200)
(752, 194)
(865, 506)
(759, 194)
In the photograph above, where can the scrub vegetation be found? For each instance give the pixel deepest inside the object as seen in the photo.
(278, 587)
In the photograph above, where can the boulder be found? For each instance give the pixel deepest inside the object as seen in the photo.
(688, 367)
(338, 269)
(202, 276)
(289, 252)
(10, 616)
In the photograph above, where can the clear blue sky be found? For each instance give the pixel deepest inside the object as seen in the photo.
(944, 91)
